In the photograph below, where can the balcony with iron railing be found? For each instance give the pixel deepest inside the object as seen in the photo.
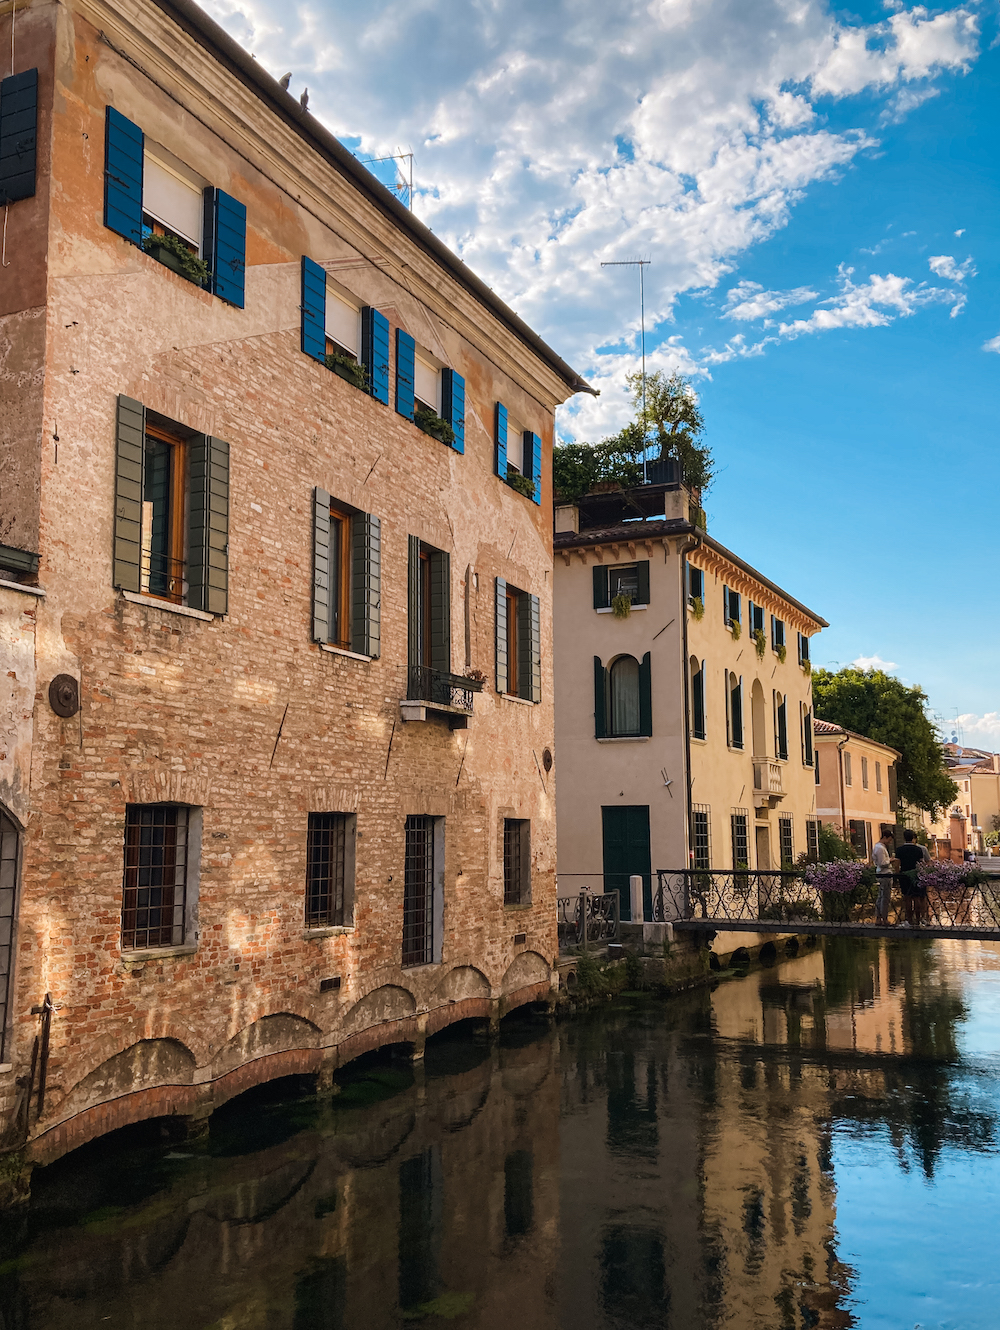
(433, 690)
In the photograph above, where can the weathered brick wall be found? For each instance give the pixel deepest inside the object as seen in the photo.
(182, 709)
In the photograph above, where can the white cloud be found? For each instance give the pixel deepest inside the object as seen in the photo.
(874, 663)
(943, 265)
(749, 300)
(870, 304)
(549, 137)
(992, 345)
(977, 731)
(961, 232)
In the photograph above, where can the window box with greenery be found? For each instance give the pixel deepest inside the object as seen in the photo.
(344, 364)
(177, 255)
(522, 484)
(431, 423)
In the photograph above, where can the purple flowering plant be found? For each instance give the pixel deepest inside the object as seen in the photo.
(946, 876)
(841, 875)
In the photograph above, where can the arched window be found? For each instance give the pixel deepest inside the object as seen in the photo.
(8, 884)
(623, 685)
(697, 698)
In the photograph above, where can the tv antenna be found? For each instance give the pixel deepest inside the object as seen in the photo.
(403, 184)
(640, 264)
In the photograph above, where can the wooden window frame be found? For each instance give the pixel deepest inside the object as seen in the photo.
(178, 489)
(513, 642)
(341, 527)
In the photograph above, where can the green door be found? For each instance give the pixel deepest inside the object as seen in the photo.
(626, 853)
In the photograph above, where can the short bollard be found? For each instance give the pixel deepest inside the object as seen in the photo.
(635, 890)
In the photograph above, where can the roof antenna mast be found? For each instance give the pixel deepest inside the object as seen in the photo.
(640, 264)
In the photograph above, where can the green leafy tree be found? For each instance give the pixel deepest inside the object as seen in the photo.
(876, 704)
(671, 411)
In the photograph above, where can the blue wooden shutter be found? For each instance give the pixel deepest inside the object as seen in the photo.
(600, 693)
(123, 157)
(453, 405)
(131, 440)
(533, 456)
(406, 352)
(501, 441)
(502, 644)
(646, 695)
(226, 244)
(321, 565)
(375, 352)
(725, 606)
(208, 525)
(18, 135)
(366, 584)
(313, 309)
(601, 592)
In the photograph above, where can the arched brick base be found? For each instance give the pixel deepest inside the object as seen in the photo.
(198, 1101)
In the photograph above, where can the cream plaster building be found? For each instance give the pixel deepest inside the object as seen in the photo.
(685, 728)
(855, 785)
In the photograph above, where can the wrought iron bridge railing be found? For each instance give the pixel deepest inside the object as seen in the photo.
(587, 918)
(438, 688)
(750, 896)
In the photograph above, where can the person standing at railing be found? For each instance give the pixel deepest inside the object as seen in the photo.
(910, 855)
(882, 859)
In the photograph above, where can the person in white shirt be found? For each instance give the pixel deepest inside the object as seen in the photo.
(882, 859)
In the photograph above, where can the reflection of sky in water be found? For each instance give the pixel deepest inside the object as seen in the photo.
(924, 1250)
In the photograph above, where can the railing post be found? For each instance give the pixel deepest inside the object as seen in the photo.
(635, 890)
(583, 920)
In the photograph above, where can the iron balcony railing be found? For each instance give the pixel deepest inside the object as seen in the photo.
(588, 919)
(438, 688)
(749, 896)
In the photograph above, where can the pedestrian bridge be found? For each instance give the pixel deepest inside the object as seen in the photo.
(713, 901)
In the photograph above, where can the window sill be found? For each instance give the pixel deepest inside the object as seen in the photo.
(699, 739)
(626, 739)
(335, 930)
(20, 586)
(521, 701)
(606, 609)
(157, 953)
(522, 905)
(155, 603)
(342, 651)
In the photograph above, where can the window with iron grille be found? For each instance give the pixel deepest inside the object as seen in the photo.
(740, 822)
(812, 838)
(516, 861)
(154, 896)
(9, 841)
(418, 892)
(701, 836)
(786, 841)
(326, 870)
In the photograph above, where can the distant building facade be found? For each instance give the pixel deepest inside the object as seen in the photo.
(684, 728)
(275, 770)
(855, 785)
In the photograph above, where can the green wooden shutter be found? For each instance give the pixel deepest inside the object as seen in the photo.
(131, 432)
(124, 154)
(208, 525)
(725, 605)
(406, 352)
(646, 695)
(18, 132)
(600, 694)
(313, 309)
(440, 611)
(413, 602)
(535, 648)
(500, 603)
(601, 598)
(366, 584)
(642, 569)
(321, 566)
(500, 457)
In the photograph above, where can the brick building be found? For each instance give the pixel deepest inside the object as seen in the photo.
(275, 584)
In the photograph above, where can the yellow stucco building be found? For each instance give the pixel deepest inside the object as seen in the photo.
(683, 697)
(855, 785)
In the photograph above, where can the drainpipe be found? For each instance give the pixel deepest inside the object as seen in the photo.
(843, 803)
(683, 552)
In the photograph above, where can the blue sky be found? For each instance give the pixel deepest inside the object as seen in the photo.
(817, 189)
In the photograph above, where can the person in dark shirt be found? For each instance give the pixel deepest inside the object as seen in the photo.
(910, 854)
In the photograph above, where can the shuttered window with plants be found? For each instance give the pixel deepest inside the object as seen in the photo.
(620, 587)
(623, 698)
(518, 643)
(518, 455)
(350, 339)
(696, 590)
(18, 136)
(347, 576)
(156, 202)
(171, 511)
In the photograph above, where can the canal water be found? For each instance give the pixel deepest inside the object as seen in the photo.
(813, 1145)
